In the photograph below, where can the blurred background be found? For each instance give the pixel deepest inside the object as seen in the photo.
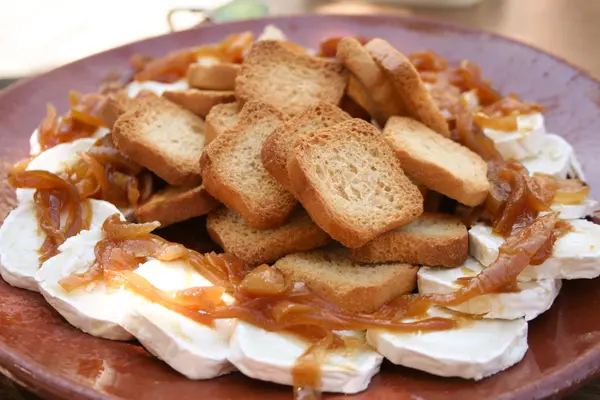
(37, 35)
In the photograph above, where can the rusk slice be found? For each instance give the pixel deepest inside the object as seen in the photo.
(199, 101)
(437, 162)
(351, 184)
(233, 172)
(408, 84)
(115, 106)
(351, 285)
(213, 77)
(163, 137)
(360, 95)
(289, 81)
(432, 239)
(175, 204)
(280, 144)
(260, 246)
(219, 119)
(358, 60)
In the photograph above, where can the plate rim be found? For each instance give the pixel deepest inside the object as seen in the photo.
(36, 378)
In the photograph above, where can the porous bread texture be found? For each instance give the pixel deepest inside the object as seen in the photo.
(259, 246)
(437, 162)
(175, 204)
(383, 101)
(432, 239)
(351, 184)
(219, 119)
(279, 145)
(409, 86)
(200, 102)
(219, 76)
(232, 170)
(163, 137)
(289, 81)
(351, 285)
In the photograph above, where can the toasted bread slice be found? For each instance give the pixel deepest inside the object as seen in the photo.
(233, 172)
(437, 162)
(175, 204)
(351, 184)
(115, 106)
(351, 285)
(261, 246)
(357, 92)
(163, 137)
(213, 77)
(354, 109)
(219, 119)
(278, 147)
(199, 101)
(432, 239)
(358, 60)
(291, 82)
(408, 84)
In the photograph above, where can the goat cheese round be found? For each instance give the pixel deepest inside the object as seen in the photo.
(575, 211)
(526, 141)
(21, 239)
(575, 255)
(475, 350)
(195, 350)
(94, 309)
(532, 299)
(157, 88)
(55, 159)
(34, 140)
(270, 356)
(554, 159)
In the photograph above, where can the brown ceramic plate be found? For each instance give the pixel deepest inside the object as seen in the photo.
(44, 353)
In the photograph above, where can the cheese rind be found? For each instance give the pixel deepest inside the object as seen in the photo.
(526, 141)
(575, 255)
(195, 350)
(532, 299)
(270, 356)
(474, 350)
(93, 309)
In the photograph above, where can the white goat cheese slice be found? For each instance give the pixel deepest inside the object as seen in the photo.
(56, 159)
(93, 309)
(526, 141)
(21, 239)
(554, 159)
(157, 88)
(34, 140)
(474, 350)
(271, 356)
(575, 211)
(532, 299)
(576, 255)
(272, 32)
(195, 350)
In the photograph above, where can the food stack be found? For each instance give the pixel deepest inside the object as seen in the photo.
(329, 170)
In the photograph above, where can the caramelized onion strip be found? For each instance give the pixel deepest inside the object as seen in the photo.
(514, 255)
(116, 229)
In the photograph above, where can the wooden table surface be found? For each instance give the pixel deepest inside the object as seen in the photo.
(567, 28)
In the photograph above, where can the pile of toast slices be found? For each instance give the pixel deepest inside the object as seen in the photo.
(318, 166)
